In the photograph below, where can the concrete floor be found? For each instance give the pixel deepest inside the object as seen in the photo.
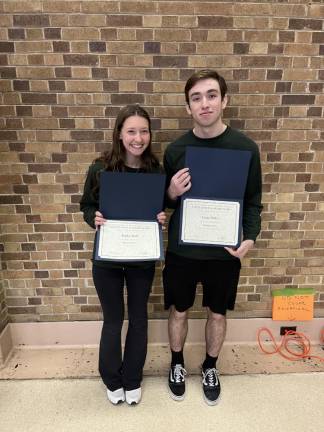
(58, 389)
(262, 403)
(82, 362)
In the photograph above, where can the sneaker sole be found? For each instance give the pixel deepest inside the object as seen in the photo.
(175, 397)
(211, 403)
(118, 402)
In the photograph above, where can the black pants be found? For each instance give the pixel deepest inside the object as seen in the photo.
(117, 371)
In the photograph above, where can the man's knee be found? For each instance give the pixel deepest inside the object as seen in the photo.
(177, 315)
(215, 317)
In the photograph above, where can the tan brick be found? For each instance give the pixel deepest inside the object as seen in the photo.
(26, 47)
(125, 60)
(143, 61)
(152, 21)
(62, 6)
(83, 86)
(301, 49)
(172, 35)
(299, 74)
(214, 48)
(90, 7)
(127, 74)
(24, 7)
(126, 34)
(135, 7)
(262, 87)
(32, 73)
(81, 47)
(217, 35)
(188, 21)
(290, 10)
(127, 86)
(34, 34)
(171, 87)
(123, 47)
(87, 21)
(176, 8)
(315, 10)
(53, 59)
(258, 48)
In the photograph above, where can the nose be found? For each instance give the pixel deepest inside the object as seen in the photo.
(138, 135)
(204, 102)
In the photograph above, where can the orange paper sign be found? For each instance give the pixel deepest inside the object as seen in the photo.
(293, 306)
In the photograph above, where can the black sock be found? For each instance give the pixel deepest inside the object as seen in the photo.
(210, 362)
(177, 358)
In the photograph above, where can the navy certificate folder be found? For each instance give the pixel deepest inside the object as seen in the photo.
(131, 197)
(217, 174)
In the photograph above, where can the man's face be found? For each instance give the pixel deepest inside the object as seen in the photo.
(205, 103)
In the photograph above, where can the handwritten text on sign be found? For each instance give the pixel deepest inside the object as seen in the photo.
(293, 307)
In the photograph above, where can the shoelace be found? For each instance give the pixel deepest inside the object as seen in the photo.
(210, 377)
(179, 373)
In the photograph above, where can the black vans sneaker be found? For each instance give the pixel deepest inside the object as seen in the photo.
(211, 386)
(177, 382)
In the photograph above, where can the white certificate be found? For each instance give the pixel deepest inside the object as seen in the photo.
(210, 222)
(129, 240)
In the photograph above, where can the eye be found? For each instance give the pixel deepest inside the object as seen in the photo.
(195, 99)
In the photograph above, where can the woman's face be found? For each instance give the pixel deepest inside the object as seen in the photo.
(135, 136)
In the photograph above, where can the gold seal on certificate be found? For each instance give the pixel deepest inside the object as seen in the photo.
(129, 240)
(210, 222)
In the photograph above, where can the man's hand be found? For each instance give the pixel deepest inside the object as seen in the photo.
(244, 248)
(180, 183)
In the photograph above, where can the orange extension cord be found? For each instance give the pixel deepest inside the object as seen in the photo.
(299, 340)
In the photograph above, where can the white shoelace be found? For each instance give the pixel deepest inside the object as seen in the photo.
(179, 373)
(210, 377)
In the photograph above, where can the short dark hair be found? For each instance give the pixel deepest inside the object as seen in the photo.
(202, 75)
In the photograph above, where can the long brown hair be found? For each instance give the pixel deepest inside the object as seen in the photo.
(115, 159)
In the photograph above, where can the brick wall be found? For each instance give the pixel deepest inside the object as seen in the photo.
(3, 308)
(67, 66)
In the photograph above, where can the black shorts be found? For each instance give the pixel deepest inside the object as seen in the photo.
(219, 279)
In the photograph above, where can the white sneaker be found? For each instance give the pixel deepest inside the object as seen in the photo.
(116, 397)
(133, 397)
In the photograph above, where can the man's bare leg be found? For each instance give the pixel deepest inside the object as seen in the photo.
(178, 329)
(215, 332)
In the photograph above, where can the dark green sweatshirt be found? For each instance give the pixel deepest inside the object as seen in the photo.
(174, 158)
(89, 204)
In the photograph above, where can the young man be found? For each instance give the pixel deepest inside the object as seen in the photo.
(217, 268)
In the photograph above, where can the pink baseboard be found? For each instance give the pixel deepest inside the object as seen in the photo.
(87, 333)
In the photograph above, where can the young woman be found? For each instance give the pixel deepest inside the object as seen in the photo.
(131, 152)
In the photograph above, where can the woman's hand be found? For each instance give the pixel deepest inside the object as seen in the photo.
(161, 217)
(99, 219)
(241, 251)
(180, 183)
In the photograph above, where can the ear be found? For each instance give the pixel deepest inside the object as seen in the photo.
(224, 102)
(188, 109)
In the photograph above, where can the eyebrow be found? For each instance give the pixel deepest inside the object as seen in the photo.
(208, 91)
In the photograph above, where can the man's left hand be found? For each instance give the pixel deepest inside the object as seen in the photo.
(241, 251)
